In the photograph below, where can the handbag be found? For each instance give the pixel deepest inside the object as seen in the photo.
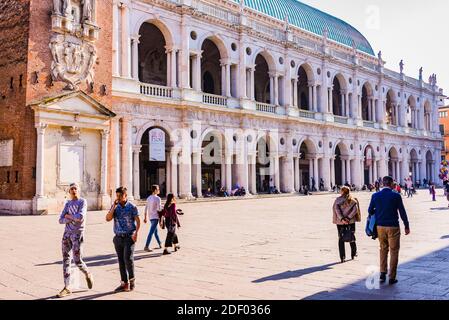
(358, 216)
(346, 234)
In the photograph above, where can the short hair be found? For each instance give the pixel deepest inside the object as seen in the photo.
(154, 187)
(388, 181)
(121, 190)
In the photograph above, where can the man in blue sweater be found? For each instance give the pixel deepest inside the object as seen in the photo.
(387, 206)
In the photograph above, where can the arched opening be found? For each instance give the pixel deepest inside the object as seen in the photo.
(413, 165)
(152, 56)
(212, 163)
(262, 80)
(210, 68)
(303, 90)
(306, 166)
(342, 166)
(393, 164)
(391, 110)
(412, 113)
(338, 96)
(369, 166)
(427, 116)
(153, 161)
(264, 178)
(367, 103)
(429, 167)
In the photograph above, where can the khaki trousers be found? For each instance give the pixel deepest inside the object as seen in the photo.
(389, 240)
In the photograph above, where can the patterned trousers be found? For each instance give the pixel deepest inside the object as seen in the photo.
(72, 243)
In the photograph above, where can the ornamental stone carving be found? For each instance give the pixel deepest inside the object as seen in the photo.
(73, 61)
(72, 45)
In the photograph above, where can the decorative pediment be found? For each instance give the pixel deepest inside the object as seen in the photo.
(74, 102)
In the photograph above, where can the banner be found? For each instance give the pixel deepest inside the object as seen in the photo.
(157, 145)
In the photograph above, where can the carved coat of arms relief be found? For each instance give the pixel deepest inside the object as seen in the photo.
(72, 45)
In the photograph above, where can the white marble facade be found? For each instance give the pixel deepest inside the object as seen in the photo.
(322, 110)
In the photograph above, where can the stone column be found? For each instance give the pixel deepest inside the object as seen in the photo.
(115, 159)
(343, 107)
(197, 75)
(242, 167)
(185, 173)
(315, 101)
(224, 84)
(348, 171)
(276, 90)
(297, 176)
(40, 159)
(125, 42)
(332, 163)
(135, 56)
(376, 176)
(174, 171)
(311, 98)
(277, 172)
(289, 174)
(115, 40)
(168, 181)
(229, 173)
(253, 84)
(253, 174)
(197, 163)
(136, 171)
(295, 93)
(359, 107)
(330, 103)
(271, 88)
(228, 80)
(126, 154)
(105, 200)
(311, 173)
(184, 62)
(173, 69)
(315, 172)
(357, 173)
(326, 170)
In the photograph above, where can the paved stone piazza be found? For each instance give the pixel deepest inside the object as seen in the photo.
(273, 248)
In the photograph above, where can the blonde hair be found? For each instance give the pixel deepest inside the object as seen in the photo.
(346, 193)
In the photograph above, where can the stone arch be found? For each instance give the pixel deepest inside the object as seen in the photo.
(368, 112)
(269, 58)
(391, 108)
(217, 131)
(218, 41)
(160, 24)
(339, 87)
(305, 78)
(153, 123)
(310, 143)
(427, 115)
(263, 92)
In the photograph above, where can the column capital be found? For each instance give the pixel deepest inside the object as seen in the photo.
(41, 127)
(137, 148)
(197, 53)
(105, 133)
(171, 48)
(225, 62)
(136, 38)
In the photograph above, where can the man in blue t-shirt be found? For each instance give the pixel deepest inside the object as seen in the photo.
(388, 206)
(126, 229)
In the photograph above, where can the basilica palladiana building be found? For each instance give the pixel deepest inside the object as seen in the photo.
(204, 94)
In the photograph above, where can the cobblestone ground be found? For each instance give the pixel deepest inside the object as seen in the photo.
(277, 248)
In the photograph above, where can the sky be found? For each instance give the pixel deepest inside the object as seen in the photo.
(414, 30)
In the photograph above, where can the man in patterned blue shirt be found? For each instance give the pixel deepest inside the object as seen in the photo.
(126, 229)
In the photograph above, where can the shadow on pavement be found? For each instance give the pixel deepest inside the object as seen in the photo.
(103, 260)
(424, 278)
(440, 209)
(94, 296)
(295, 274)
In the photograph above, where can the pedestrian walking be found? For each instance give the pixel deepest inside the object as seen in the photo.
(346, 212)
(409, 184)
(446, 188)
(171, 221)
(152, 209)
(387, 206)
(74, 217)
(433, 192)
(126, 229)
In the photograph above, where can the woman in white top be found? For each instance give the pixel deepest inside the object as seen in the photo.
(151, 210)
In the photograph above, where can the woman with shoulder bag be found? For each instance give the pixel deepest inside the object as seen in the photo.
(171, 223)
(346, 212)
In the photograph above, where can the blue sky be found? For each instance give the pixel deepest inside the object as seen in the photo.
(414, 30)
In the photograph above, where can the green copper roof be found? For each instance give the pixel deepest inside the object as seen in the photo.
(313, 20)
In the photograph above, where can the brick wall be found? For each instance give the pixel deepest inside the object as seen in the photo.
(15, 119)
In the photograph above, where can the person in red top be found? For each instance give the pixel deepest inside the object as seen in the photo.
(171, 222)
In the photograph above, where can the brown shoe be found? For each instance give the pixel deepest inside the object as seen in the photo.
(124, 287)
(90, 281)
(64, 293)
(132, 284)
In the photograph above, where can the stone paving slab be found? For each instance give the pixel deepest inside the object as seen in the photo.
(263, 248)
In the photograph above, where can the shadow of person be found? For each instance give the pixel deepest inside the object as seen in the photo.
(94, 296)
(295, 274)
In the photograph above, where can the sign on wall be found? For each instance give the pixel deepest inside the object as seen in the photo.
(6, 153)
(157, 145)
(71, 164)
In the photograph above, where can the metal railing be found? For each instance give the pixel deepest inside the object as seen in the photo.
(215, 11)
(214, 99)
(155, 90)
(265, 107)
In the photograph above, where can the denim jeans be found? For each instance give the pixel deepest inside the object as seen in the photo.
(124, 246)
(153, 230)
